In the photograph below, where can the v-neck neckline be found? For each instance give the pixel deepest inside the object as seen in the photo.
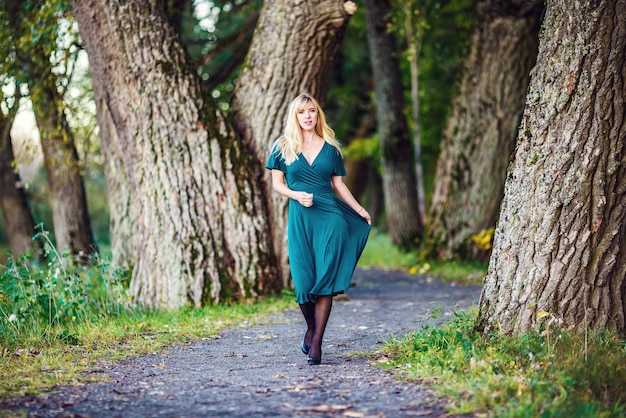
(310, 163)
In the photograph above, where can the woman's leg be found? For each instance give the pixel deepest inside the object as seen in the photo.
(308, 310)
(323, 307)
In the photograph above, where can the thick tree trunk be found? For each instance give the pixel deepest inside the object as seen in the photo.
(397, 157)
(559, 245)
(200, 230)
(480, 134)
(72, 228)
(19, 222)
(293, 51)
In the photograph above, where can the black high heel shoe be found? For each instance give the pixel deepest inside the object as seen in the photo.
(305, 348)
(314, 360)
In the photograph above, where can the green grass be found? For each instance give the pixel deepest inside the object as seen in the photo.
(59, 319)
(381, 253)
(65, 353)
(514, 376)
(527, 375)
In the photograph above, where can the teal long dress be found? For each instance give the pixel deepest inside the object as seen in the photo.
(325, 240)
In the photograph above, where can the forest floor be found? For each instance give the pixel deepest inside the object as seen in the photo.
(258, 370)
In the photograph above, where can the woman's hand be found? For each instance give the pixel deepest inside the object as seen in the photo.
(365, 214)
(304, 198)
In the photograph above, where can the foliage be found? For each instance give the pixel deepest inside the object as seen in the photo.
(216, 35)
(484, 239)
(349, 105)
(515, 376)
(444, 28)
(32, 364)
(39, 44)
(58, 318)
(38, 297)
(364, 149)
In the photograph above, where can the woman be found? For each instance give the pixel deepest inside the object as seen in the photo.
(326, 234)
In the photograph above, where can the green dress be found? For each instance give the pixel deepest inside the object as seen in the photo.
(325, 240)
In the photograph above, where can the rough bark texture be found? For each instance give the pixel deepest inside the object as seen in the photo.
(19, 222)
(397, 157)
(293, 51)
(480, 134)
(72, 228)
(200, 232)
(559, 245)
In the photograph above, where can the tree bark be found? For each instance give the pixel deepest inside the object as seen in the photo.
(559, 245)
(293, 51)
(397, 157)
(200, 230)
(70, 216)
(18, 219)
(480, 134)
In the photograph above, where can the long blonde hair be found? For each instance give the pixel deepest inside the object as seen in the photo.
(290, 143)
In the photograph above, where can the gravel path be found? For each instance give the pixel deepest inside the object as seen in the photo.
(259, 371)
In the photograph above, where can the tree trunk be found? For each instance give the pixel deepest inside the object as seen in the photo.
(293, 51)
(18, 219)
(397, 158)
(480, 134)
(200, 230)
(559, 245)
(72, 229)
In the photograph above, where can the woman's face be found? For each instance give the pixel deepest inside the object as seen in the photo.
(307, 117)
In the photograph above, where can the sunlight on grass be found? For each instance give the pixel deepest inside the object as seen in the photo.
(381, 253)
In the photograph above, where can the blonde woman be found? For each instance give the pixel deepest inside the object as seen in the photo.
(327, 227)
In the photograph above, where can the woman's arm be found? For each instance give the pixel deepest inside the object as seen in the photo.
(279, 185)
(346, 195)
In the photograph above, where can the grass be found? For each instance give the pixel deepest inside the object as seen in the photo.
(380, 253)
(514, 376)
(548, 373)
(59, 321)
(67, 353)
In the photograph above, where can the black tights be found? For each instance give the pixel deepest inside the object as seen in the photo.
(316, 316)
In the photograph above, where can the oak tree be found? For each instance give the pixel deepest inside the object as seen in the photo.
(559, 248)
(191, 191)
(481, 131)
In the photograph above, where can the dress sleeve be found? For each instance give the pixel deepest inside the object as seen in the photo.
(339, 169)
(276, 160)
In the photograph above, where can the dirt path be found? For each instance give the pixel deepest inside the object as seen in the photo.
(259, 371)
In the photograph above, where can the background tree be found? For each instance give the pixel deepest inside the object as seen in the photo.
(352, 114)
(396, 150)
(217, 35)
(482, 128)
(198, 213)
(410, 16)
(198, 228)
(292, 52)
(36, 28)
(19, 221)
(559, 246)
